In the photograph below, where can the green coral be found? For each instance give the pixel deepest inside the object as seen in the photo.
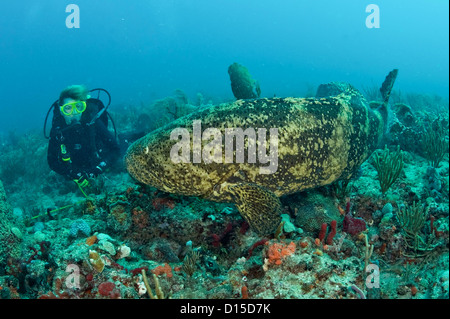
(435, 142)
(412, 219)
(389, 166)
(341, 188)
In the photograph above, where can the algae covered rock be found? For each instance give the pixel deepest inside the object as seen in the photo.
(10, 233)
(242, 83)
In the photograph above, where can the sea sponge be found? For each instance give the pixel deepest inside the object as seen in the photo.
(79, 225)
(242, 83)
(278, 251)
(91, 240)
(332, 89)
(166, 269)
(107, 246)
(96, 261)
(105, 288)
(123, 251)
(314, 209)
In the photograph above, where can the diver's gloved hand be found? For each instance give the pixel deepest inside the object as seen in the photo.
(83, 183)
(82, 180)
(97, 170)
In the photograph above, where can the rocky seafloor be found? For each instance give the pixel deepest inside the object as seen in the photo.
(340, 242)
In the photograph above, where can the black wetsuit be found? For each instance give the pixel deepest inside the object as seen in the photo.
(87, 146)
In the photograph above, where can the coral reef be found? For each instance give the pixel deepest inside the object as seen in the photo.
(130, 241)
(10, 231)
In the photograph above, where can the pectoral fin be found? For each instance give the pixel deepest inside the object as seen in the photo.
(260, 207)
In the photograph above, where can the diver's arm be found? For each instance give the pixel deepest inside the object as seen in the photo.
(55, 161)
(111, 152)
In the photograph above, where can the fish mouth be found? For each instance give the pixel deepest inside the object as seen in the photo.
(138, 171)
(137, 162)
(130, 164)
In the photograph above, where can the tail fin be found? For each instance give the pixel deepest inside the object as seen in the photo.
(385, 90)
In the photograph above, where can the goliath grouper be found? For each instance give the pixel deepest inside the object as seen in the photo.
(313, 142)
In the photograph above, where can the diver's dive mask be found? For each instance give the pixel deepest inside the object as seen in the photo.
(71, 107)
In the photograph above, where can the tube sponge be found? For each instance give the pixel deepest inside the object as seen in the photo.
(242, 83)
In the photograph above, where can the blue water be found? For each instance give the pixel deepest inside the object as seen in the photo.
(141, 50)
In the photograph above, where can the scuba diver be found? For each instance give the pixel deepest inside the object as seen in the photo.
(80, 145)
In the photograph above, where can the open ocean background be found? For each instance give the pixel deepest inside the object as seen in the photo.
(143, 50)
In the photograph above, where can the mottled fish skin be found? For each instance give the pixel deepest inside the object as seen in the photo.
(319, 141)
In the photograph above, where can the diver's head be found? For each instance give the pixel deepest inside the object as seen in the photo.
(72, 103)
